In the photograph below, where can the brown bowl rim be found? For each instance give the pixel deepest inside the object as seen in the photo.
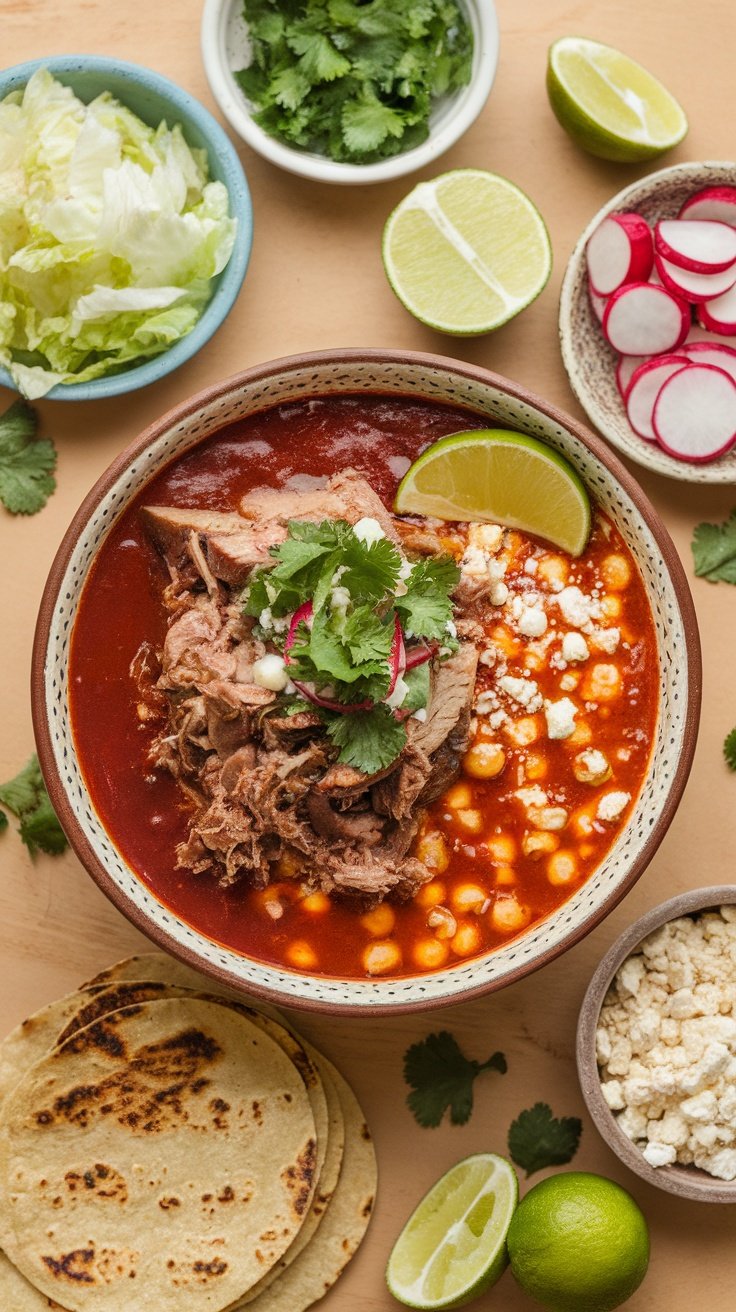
(259, 373)
(683, 1181)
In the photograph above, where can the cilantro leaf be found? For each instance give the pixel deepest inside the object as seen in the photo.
(26, 797)
(26, 463)
(729, 750)
(367, 123)
(368, 740)
(441, 1077)
(537, 1139)
(714, 550)
(426, 607)
(419, 684)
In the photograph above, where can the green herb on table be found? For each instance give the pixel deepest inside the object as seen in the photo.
(26, 797)
(714, 551)
(26, 462)
(353, 81)
(538, 1139)
(441, 1077)
(729, 750)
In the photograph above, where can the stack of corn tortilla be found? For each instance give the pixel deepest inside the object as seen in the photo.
(163, 1145)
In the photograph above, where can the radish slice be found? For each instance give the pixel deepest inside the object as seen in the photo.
(419, 655)
(397, 657)
(697, 245)
(695, 413)
(598, 303)
(720, 313)
(641, 319)
(309, 692)
(619, 252)
(644, 389)
(699, 334)
(301, 616)
(712, 203)
(625, 368)
(723, 357)
(694, 286)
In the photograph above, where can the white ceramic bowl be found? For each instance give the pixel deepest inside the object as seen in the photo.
(589, 360)
(225, 47)
(372, 372)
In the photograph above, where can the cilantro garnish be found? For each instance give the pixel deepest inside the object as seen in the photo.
(729, 750)
(537, 1139)
(26, 797)
(368, 740)
(426, 607)
(714, 551)
(353, 80)
(442, 1077)
(26, 463)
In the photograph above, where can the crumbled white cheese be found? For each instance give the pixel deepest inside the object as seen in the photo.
(611, 805)
(606, 640)
(270, 672)
(498, 593)
(368, 530)
(524, 691)
(486, 702)
(577, 609)
(399, 694)
(487, 537)
(574, 647)
(451, 628)
(420, 715)
(271, 624)
(405, 569)
(474, 563)
(340, 598)
(560, 717)
(532, 622)
(532, 796)
(531, 565)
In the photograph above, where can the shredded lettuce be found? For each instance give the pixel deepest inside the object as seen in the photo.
(110, 234)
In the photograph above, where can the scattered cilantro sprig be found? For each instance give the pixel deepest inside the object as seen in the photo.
(26, 797)
(442, 1077)
(26, 462)
(714, 550)
(353, 79)
(538, 1139)
(729, 750)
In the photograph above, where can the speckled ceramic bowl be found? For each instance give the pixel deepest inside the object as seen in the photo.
(154, 98)
(589, 360)
(437, 379)
(685, 1181)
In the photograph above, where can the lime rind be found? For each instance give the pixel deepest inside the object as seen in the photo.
(453, 1247)
(521, 483)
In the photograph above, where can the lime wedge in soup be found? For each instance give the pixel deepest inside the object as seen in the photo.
(453, 1247)
(491, 474)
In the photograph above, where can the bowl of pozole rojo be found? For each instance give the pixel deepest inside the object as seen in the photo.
(343, 757)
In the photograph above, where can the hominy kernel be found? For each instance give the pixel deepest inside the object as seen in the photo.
(553, 570)
(315, 903)
(471, 821)
(301, 955)
(508, 916)
(581, 736)
(581, 822)
(562, 868)
(533, 661)
(433, 852)
(430, 953)
(523, 731)
(289, 865)
(504, 640)
(442, 921)
(536, 766)
(484, 760)
(459, 797)
(501, 847)
(538, 843)
(505, 875)
(380, 921)
(586, 850)
(430, 895)
(611, 607)
(380, 958)
(466, 940)
(616, 572)
(602, 683)
(591, 768)
(468, 897)
(548, 817)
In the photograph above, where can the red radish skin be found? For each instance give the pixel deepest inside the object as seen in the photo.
(598, 303)
(694, 415)
(644, 389)
(627, 364)
(711, 203)
(719, 315)
(696, 245)
(723, 357)
(699, 334)
(619, 252)
(695, 287)
(642, 319)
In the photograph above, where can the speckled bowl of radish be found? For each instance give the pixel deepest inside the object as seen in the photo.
(648, 321)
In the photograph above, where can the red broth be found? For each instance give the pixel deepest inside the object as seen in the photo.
(143, 809)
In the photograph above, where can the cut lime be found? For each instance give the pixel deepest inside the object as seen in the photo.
(466, 251)
(453, 1247)
(578, 1243)
(609, 104)
(507, 478)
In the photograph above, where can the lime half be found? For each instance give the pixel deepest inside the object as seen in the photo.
(466, 252)
(453, 1247)
(495, 475)
(609, 104)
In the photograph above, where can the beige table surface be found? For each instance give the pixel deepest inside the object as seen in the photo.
(316, 280)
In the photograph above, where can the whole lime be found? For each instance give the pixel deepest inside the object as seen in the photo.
(578, 1243)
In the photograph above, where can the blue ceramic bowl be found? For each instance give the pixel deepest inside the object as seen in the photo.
(154, 98)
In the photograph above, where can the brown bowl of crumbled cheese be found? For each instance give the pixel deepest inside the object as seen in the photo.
(656, 1046)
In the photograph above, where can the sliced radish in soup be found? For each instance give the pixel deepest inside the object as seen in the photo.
(642, 319)
(619, 252)
(695, 413)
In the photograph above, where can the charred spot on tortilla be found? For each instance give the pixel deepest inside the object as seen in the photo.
(103, 1181)
(72, 1266)
(299, 1179)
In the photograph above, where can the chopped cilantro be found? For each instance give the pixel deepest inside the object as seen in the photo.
(441, 1077)
(714, 551)
(537, 1139)
(426, 608)
(729, 750)
(369, 740)
(26, 463)
(353, 80)
(26, 797)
